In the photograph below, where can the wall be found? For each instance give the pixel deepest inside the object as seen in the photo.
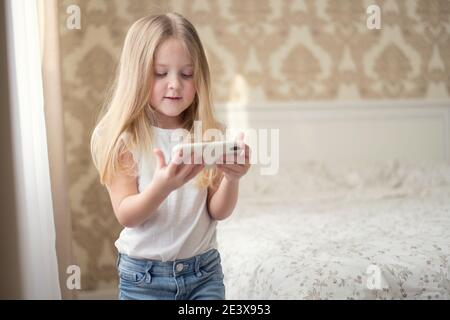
(259, 51)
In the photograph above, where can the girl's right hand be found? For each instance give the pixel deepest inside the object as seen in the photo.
(176, 173)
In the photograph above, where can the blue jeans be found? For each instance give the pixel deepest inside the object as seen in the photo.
(196, 278)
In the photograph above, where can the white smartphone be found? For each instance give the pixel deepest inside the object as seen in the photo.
(210, 152)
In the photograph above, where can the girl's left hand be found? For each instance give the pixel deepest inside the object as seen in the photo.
(234, 171)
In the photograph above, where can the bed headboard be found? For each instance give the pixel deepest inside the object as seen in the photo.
(356, 132)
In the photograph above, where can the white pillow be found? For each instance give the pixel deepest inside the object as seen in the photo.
(313, 181)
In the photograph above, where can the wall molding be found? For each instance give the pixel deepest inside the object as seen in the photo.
(427, 121)
(333, 104)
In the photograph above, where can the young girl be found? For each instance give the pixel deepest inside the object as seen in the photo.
(168, 248)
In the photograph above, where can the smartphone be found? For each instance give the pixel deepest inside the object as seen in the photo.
(210, 152)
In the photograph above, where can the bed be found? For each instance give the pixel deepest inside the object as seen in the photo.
(314, 231)
(360, 207)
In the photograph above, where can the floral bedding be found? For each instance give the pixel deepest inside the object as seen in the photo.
(311, 232)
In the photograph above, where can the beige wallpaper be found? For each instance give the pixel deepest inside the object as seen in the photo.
(277, 50)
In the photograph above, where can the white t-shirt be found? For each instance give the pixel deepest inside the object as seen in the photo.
(181, 227)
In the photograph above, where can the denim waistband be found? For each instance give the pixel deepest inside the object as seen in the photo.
(176, 267)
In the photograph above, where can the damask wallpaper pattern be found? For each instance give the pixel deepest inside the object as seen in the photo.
(278, 50)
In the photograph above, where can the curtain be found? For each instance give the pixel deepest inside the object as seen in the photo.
(36, 234)
(51, 76)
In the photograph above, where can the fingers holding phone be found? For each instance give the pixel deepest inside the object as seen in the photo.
(177, 172)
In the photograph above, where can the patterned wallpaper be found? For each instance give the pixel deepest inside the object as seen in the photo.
(279, 50)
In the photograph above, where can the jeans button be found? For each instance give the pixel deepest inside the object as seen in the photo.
(179, 267)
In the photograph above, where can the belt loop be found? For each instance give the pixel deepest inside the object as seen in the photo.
(198, 273)
(118, 260)
(148, 274)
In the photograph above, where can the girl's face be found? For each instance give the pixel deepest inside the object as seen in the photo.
(173, 87)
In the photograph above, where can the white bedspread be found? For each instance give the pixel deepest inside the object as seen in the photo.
(381, 232)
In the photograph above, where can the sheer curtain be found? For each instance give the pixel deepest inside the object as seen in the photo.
(38, 266)
(51, 75)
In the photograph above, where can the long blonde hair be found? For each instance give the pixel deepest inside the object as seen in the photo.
(126, 111)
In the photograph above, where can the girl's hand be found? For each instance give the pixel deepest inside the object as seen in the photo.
(234, 171)
(176, 173)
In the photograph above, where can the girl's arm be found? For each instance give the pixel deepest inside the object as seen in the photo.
(222, 201)
(133, 208)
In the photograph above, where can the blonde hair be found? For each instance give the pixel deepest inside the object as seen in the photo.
(126, 112)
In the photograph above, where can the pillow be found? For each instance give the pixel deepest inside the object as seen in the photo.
(314, 181)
